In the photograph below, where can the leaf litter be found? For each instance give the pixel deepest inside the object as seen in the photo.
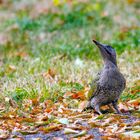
(58, 121)
(52, 120)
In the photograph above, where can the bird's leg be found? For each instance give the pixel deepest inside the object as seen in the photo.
(97, 109)
(116, 107)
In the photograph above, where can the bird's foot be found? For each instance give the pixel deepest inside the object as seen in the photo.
(116, 108)
(97, 109)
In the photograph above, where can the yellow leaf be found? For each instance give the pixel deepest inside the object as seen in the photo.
(56, 2)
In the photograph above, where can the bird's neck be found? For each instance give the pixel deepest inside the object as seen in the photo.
(108, 63)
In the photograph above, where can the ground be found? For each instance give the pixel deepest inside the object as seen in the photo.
(48, 60)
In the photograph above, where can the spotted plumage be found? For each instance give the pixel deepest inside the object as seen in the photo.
(110, 83)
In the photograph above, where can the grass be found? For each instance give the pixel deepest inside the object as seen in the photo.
(62, 43)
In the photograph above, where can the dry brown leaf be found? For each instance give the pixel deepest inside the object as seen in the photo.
(48, 110)
(13, 103)
(36, 111)
(22, 54)
(109, 138)
(79, 95)
(110, 120)
(52, 72)
(30, 120)
(35, 101)
(48, 103)
(135, 102)
(51, 128)
(95, 124)
(86, 115)
(130, 1)
(44, 118)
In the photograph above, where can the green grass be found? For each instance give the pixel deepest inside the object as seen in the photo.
(62, 41)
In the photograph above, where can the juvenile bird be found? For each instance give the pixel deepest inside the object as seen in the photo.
(109, 82)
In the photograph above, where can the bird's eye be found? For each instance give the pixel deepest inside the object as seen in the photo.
(108, 51)
(109, 47)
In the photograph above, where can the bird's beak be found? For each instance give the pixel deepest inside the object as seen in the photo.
(99, 45)
(102, 49)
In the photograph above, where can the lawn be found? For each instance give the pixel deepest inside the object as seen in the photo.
(48, 60)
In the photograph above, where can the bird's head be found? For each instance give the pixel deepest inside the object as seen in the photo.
(107, 52)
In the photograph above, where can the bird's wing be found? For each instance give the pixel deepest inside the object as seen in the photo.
(94, 86)
(112, 78)
(95, 81)
(117, 80)
(96, 91)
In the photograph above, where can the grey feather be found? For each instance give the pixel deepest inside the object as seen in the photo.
(109, 83)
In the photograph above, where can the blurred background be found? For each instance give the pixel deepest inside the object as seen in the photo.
(46, 46)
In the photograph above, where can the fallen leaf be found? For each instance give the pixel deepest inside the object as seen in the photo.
(100, 117)
(135, 102)
(51, 128)
(70, 131)
(52, 73)
(80, 134)
(48, 110)
(21, 54)
(132, 134)
(79, 95)
(136, 123)
(4, 134)
(29, 120)
(95, 124)
(86, 137)
(48, 103)
(87, 115)
(12, 68)
(44, 118)
(63, 121)
(35, 101)
(13, 103)
(27, 132)
(76, 126)
(57, 138)
(41, 123)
